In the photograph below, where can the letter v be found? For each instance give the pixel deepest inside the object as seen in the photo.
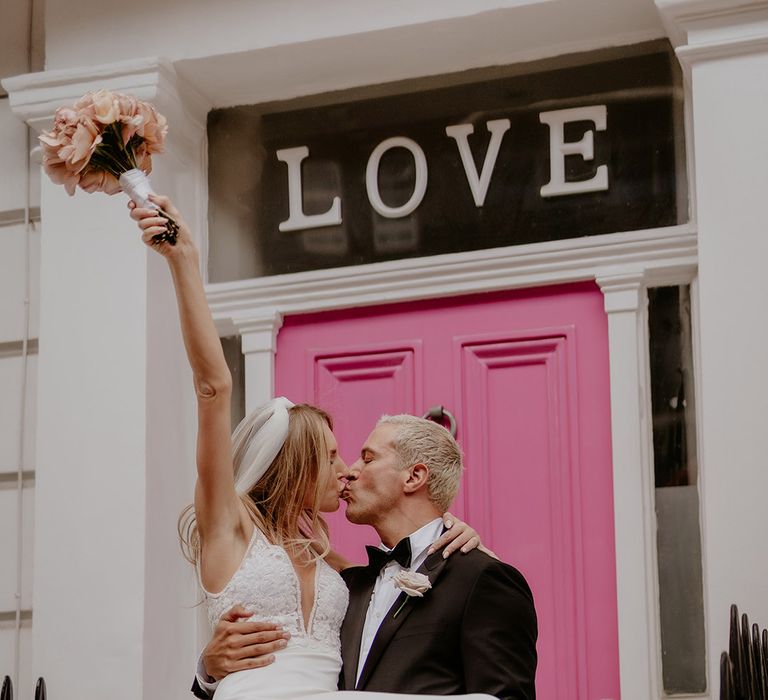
(460, 132)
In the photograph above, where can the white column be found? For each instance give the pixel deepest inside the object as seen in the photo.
(113, 600)
(723, 47)
(259, 342)
(626, 306)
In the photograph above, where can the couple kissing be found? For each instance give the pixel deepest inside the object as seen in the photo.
(309, 623)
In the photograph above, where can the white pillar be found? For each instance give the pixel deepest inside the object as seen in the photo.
(723, 47)
(259, 342)
(113, 601)
(626, 305)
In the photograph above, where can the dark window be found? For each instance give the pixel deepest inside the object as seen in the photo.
(678, 536)
(236, 362)
(641, 147)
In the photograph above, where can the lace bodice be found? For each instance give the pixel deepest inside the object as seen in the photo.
(266, 583)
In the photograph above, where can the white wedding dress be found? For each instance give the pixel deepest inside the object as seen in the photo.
(308, 668)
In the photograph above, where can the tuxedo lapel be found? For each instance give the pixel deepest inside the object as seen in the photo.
(360, 591)
(432, 567)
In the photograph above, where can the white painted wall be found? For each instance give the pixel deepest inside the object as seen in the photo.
(724, 46)
(733, 248)
(14, 162)
(84, 34)
(242, 52)
(732, 181)
(12, 286)
(15, 36)
(13, 450)
(114, 601)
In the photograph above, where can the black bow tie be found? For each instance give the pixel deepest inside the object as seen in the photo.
(378, 558)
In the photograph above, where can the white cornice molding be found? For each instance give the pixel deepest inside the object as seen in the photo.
(35, 93)
(258, 333)
(34, 97)
(622, 292)
(667, 255)
(687, 11)
(712, 51)
(712, 29)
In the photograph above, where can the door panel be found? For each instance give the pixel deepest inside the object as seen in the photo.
(517, 421)
(357, 385)
(526, 375)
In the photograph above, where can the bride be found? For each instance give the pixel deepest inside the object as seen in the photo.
(255, 531)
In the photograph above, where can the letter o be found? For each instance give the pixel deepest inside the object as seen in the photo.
(372, 177)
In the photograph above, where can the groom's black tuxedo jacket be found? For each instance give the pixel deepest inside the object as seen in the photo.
(474, 631)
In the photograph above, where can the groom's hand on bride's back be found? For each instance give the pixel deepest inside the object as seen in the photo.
(237, 645)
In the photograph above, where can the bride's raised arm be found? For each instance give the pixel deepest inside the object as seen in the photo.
(217, 507)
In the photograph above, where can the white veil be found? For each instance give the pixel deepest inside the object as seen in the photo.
(257, 440)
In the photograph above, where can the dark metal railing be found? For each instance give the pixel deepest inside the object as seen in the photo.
(744, 667)
(7, 691)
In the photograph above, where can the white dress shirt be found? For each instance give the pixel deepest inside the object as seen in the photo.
(384, 591)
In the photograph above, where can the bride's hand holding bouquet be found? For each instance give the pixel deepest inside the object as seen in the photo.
(153, 225)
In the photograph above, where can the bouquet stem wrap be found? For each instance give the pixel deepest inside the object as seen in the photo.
(136, 185)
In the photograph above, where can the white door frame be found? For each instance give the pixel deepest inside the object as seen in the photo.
(622, 264)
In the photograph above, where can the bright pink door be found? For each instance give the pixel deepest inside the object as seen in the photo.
(526, 376)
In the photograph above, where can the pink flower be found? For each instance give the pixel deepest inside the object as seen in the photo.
(130, 116)
(155, 128)
(51, 142)
(146, 164)
(105, 106)
(144, 159)
(65, 154)
(99, 181)
(64, 126)
(85, 107)
(84, 141)
(131, 125)
(65, 119)
(128, 105)
(57, 170)
(413, 583)
(111, 184)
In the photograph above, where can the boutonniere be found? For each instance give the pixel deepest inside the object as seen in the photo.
(413, 584)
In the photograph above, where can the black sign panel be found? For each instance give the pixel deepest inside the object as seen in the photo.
(572, 152)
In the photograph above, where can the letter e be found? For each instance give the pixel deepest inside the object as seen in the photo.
(559, 149)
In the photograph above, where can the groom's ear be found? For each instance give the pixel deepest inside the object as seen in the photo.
(416, 478)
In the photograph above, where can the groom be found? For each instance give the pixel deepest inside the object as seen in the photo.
(473, 630)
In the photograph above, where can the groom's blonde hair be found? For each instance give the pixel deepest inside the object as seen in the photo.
(422, 441)
(276, 503)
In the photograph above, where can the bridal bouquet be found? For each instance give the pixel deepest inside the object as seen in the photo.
(104, 143)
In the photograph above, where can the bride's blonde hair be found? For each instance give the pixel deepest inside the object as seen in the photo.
(276, 503)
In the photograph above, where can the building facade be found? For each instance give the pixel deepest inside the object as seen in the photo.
(543, 216)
